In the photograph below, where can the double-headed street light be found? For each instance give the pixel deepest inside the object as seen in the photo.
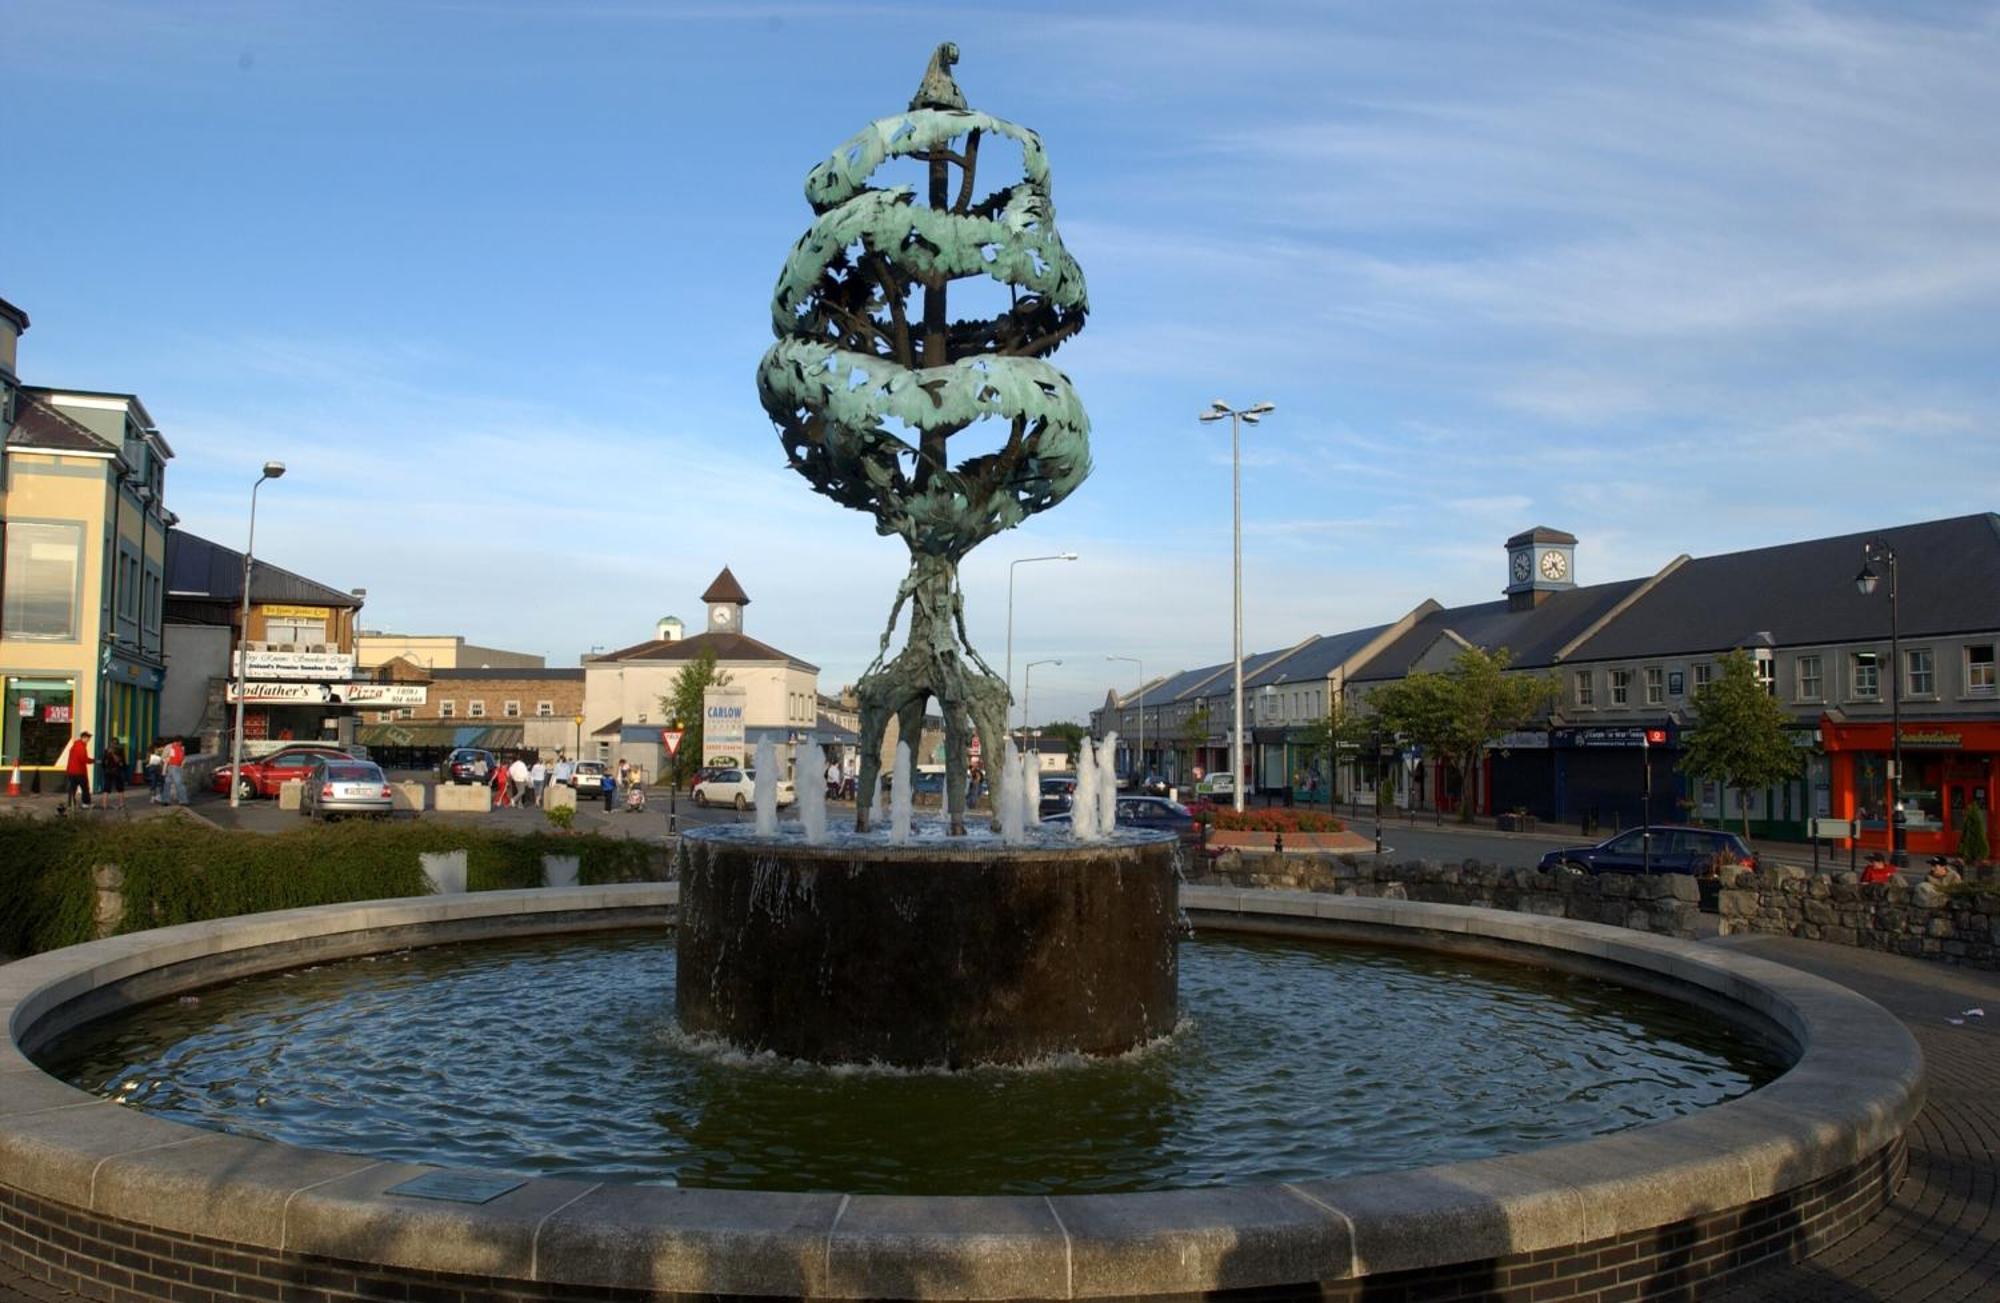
(1021, 561)
(1142, 710)
(272, 470)
(1237, 419)
(1027, 683)
(1874, 550)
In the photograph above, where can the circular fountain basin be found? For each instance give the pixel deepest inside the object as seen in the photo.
(103, 1196)
(934, 952)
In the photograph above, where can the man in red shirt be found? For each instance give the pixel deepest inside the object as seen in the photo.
(76, 764)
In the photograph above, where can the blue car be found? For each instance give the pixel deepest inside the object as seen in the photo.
(1676, 849)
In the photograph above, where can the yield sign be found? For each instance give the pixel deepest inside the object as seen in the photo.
(670, 738)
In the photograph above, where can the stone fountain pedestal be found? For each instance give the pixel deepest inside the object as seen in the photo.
(931, 954)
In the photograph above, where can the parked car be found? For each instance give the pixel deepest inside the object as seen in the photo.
(345, 786)
(263, 775)
(467, 765)
(1216, 785)
(1676, 849)
(1057, 792)
(1151, 812)
(588, 776)
(738, 787)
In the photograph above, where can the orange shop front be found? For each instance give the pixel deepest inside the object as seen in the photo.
(1949, 766)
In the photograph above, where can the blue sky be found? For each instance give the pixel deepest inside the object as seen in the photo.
(493, 279)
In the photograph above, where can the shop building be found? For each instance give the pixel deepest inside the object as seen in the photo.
(82, 563)
(531, 711)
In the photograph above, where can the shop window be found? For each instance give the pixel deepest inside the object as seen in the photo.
(447, 710)
(1865, 673)
(1656, 685)
(475, 710)
(1979, 670)
(1922, 677)
(1621, 687)
(43, 580)
(38, 720)
(1586, 688)
(1871, 788)
(1922, 794)
(511, 709)
(1810, 684)
(545, 710)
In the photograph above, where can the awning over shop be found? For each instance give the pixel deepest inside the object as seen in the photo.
(407, 733)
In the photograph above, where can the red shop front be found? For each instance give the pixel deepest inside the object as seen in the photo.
(1949, 766)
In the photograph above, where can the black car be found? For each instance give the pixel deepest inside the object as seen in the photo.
(1675, 849)
(1057, 792)
(467, 765)
(1154, 812)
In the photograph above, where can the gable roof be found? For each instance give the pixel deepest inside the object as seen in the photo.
(1803, 594)
(726, 646)
(1533, 635)
(39, 424)
(726, 589)
(201, 570)
(1315, 661)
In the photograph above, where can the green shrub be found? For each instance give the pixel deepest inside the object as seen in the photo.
(561, 817)
(1973, 846)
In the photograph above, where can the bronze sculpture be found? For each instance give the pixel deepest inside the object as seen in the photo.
(853, 363)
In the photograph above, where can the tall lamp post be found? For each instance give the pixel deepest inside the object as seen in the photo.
(272, 470)
(1874, 550)
(1237, 419)
(1142, 710)
(1021, 561)
(1027, 684)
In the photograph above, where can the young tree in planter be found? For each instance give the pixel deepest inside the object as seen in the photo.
(1973, 846)
(1742, 737)
(1326, 736)
(1457, 713)
(1193, 734)
(683, 702)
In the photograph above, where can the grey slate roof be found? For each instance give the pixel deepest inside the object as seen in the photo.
(39, 424)
(200, 570)
(1316, 660)
(1533, 635)
(1803, 594)
(726, 646)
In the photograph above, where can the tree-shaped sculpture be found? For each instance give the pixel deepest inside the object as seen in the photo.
(855, 367)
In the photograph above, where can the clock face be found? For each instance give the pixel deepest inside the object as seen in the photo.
(1554, 565)
(720, 615)
(1523, 565)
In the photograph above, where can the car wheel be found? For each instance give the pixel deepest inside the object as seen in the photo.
(1572, 868)
(741, 804)
(246, 790)
(701, 802)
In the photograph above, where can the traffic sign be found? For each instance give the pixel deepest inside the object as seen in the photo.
(670, 738)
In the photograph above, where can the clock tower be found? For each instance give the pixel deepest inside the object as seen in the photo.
(1540, 561)
(725, 600)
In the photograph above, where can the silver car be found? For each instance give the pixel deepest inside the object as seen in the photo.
(336, 786)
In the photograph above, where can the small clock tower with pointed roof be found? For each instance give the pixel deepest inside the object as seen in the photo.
(1540, 561)
(725, 600)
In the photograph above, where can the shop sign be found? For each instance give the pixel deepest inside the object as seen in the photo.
(1932, 737)
(296, 665)
(1601, 737)
(382, 694)
(27, 708)
(274, 612)
(1521, 740)
(280, 693)
(55, 714)
(352, 694)
(722, 732)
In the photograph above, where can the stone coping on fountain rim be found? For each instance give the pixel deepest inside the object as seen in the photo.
(1825, 1133)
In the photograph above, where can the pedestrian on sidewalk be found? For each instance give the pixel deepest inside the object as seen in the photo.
(538, 780)
(172, 762)
(113, 769)
(610, 790)
(76, 764)
(517, 781)
(153, 769)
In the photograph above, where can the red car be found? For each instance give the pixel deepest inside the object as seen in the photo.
(262, 775)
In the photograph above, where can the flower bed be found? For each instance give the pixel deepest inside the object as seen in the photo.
(1275, 819)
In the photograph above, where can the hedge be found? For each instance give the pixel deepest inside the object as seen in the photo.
(178, 870)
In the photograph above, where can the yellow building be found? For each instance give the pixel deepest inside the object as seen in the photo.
(82, 567)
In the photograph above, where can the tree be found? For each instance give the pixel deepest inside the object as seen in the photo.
(1071, 734)
(1456, 714)
(683, 705)
(1327, 736)
(1973, 846)
(1742, 737)
(1194, 733)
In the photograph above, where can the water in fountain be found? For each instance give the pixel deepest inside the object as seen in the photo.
(1083, 801)
(767, 789)
(1107, 784)
(1011, 817)
(810, 769)
(1031, 790)
(900, 797)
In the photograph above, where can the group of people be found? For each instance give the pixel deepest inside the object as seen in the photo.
(518, 784)
(163, 772)
(1944, 870)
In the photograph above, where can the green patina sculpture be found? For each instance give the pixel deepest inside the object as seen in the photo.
(867, 388)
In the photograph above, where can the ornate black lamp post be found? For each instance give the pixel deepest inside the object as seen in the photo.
(1872, 551)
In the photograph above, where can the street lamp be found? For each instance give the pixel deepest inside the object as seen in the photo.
(1249, 415)
(1873, 550)
(272, 470)
(1027, 682)
(1021, 561)
(1142, 710)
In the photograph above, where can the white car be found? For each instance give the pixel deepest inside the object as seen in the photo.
(738, 787)
(588, 776)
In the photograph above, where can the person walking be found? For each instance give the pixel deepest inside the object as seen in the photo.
(565, 771)
(610, 789)
(833, 780)
(498, 782)
(517, 781)
(171, 762)
(113, 771)
(76, 765)
(538, 780)
(153, 769)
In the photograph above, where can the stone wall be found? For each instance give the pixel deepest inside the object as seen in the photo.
(1664, 903)
(1960, 925)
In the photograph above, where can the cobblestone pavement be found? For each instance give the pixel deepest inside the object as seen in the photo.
(1939, 1239)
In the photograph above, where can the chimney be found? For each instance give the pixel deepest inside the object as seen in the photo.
(669, 629)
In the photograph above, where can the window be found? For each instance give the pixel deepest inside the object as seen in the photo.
(1922, 667)
(512, 709)
(1767, 673)
(291, 629)
(36, 719)
(1979, 670)
(1810, 687)
(1621, 687)
(1866, 672)
(545, 710)
(1586, 688)
(1704, 674)
(1656, 685)
(43, 580)
(475, 710)
(405, 712)
(447, 710)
